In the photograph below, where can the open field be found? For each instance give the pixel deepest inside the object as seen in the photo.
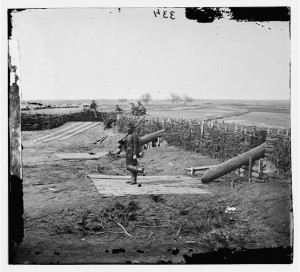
(270, 114)
(66, 219)
(261, 119)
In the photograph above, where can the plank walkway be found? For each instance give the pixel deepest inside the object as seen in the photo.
(81, 156)
(109, 186)
(68, 132)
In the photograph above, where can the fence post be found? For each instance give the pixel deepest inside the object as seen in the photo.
(250, 169)
(202, 128)
(260, 166)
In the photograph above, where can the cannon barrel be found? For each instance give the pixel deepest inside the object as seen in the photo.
(151, 137)
(234, 163)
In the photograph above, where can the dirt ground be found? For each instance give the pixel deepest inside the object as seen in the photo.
(68, 222)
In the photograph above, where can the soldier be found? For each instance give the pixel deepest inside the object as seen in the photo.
(118, 109)
(93, 108)
(142, 109)
(134, 110)
(132, 153)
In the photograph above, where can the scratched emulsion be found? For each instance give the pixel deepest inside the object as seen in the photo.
(257, 14)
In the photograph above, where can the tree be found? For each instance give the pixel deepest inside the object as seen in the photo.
(175, 98)
(188, 99)
(122, 100)
(146, 98)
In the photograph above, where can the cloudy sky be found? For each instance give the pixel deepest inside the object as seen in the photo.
(110, 53)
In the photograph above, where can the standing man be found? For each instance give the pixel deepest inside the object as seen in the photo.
(132, 153)
(93, 108)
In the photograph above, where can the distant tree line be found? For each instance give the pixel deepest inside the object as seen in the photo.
(175, 98)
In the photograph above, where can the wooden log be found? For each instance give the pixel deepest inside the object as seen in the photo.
(77, 132)
(234, 163)
(151, 137)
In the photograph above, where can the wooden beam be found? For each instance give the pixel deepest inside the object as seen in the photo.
(81, 156)
(83, 125)
(166, 178)
(57, 132)
(86, 128)
(199, 168)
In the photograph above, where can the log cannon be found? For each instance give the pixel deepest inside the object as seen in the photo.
(143, 140)
(151, 137)
(234, 163)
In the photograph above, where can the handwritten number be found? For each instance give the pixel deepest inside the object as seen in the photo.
(172, 15)
(156, 13)
(164, 14)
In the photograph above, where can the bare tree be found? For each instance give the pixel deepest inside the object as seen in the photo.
(188, 99)
(122, 100)
(146, 98)
(175, 98)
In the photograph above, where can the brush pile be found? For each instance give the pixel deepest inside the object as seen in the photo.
(41, 121)
(278, 150)
(212, 141)
(47, 121)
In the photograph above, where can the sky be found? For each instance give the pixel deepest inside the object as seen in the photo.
(101, 53)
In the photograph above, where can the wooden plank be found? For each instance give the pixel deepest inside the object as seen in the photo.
(118, 187)
(99, 176)
(199, 168)
(74, 129)
(79, 131)
(81, 156)
(57, 132)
